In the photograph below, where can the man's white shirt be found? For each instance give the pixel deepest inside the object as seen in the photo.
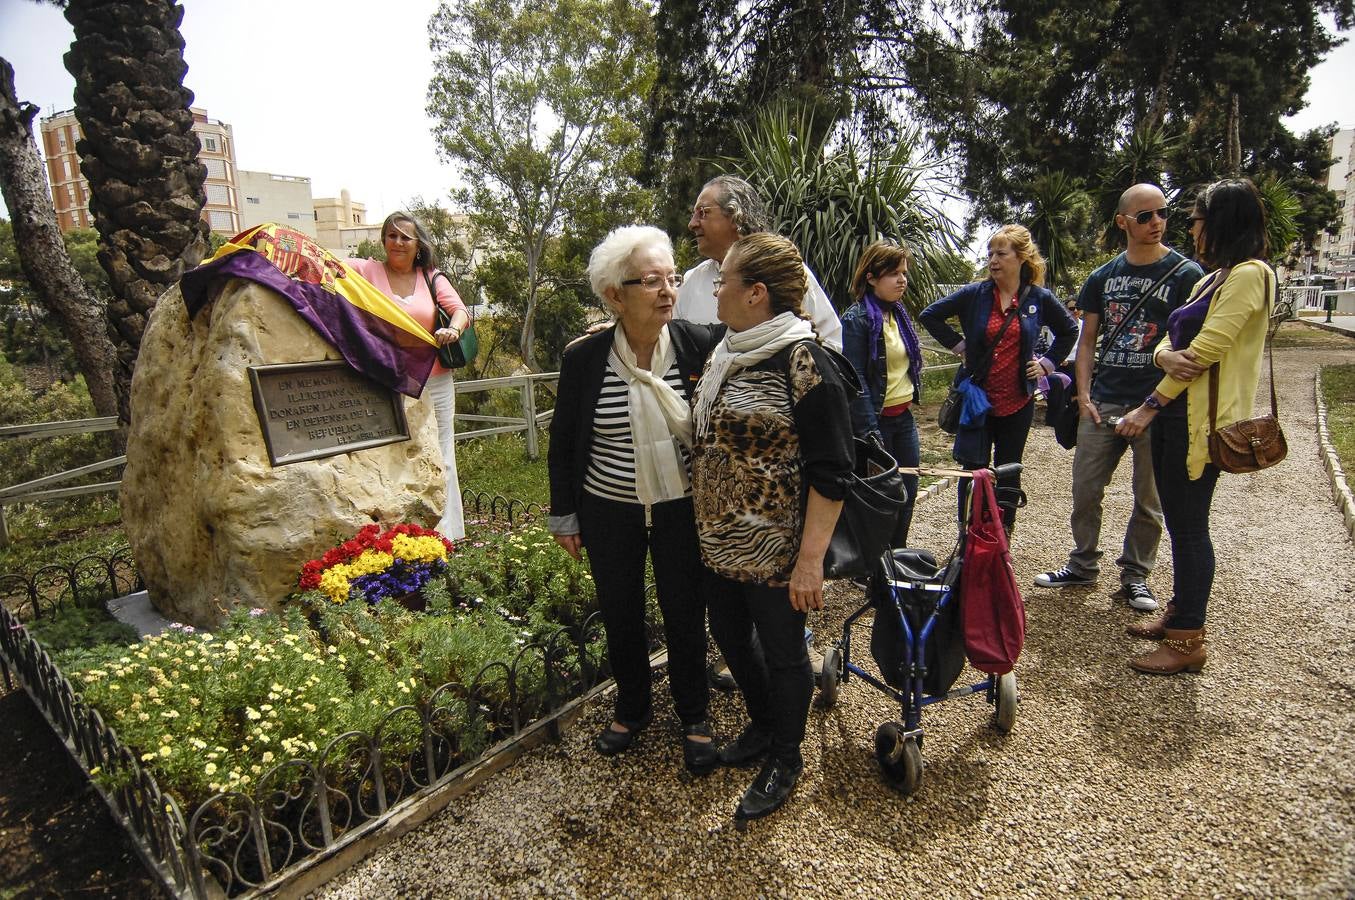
(696, 302)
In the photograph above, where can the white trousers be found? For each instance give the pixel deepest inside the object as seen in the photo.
(442, 392)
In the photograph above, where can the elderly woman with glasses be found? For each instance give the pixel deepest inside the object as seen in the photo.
(410, 276)
(620, 484)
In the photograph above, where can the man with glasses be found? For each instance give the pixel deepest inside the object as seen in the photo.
(1125, 304)
(727, 209)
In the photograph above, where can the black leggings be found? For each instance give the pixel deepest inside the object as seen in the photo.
(1185, 509)
(1004, 441)
(771, 667)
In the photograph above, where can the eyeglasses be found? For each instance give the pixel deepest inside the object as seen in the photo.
(700, 213)
(721, 280)
(652, 281)
(1143, 218)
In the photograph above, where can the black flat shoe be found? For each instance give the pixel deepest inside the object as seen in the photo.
(722, 680)
(610, 742)
(700, 757)
(769, 790)
(746, 748)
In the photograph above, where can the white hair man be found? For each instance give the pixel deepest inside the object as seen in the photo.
(727, 209)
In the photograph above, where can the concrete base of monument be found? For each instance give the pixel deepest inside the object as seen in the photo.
(136, 610)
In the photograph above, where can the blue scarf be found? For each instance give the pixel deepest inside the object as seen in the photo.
(874, 308)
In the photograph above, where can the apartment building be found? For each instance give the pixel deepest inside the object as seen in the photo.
(70, 191)
(283, 199)
(341, 224)
(1334, 251)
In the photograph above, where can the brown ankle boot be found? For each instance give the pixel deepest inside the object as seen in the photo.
(1180, 649)
(1152, 629)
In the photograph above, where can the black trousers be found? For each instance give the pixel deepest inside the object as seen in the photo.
(617, 539)
(1004, 441)
(1185, 510)
(771, 666)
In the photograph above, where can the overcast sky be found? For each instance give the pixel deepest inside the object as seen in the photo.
(285, 74)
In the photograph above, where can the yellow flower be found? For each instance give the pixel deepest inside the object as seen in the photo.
(251, 713)
(165, 751)
(210, 768)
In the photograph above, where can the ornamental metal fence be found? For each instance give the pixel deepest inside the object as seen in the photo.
(245, 843)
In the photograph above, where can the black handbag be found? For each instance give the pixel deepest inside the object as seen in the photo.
(876, 496)
(461, 352)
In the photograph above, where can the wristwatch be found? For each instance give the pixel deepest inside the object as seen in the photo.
(1153, 403)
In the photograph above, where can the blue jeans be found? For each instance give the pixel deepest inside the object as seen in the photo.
(900, 439)
(1185, 507)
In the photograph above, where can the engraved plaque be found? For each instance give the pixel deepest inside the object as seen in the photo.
(312, 410)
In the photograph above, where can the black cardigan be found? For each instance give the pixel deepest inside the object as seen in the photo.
(581, 375)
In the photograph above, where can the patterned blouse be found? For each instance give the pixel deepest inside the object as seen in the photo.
(776, 429)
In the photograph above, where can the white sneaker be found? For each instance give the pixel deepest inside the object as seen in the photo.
(1138, 595)
(1064, 577)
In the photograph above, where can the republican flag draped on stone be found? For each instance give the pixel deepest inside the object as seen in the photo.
(371, 331)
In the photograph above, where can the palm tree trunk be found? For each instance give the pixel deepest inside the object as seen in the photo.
(139, 155)
(42, 253)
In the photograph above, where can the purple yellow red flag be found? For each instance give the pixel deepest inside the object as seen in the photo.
(372, 332)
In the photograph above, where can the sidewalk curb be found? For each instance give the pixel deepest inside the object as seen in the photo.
(1340, 488)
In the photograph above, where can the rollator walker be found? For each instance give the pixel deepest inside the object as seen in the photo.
(917, 643)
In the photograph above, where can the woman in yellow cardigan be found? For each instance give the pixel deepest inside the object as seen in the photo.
(1223, 323)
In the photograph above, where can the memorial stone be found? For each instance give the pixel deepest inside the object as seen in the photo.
(214, 520)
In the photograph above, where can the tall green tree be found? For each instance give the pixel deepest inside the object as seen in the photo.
(39, 253)
(722, 61)
(139, 155)
(540, 105)
(833, 192)
(1036, 86)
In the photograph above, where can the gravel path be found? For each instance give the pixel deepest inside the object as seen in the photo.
(1233, 782)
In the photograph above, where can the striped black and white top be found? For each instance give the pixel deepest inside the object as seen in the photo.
(611, 466)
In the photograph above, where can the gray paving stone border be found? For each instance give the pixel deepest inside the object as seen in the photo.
(1340, 487)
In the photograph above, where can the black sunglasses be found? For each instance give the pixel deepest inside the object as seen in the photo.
(1143, 218)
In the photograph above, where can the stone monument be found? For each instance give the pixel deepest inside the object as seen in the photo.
(237, 472)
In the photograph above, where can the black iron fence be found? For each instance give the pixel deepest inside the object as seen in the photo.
(239, 841)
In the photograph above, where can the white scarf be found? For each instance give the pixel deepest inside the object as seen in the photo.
(741, 349)
(659, 417)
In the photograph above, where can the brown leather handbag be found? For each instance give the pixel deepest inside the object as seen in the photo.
(1248, 445)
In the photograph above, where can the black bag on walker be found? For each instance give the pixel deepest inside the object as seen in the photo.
(944, 651)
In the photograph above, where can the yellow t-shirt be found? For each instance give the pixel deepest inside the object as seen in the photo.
(898, 386)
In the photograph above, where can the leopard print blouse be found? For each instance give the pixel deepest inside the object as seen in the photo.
(776, 428)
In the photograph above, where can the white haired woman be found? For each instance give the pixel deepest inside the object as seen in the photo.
(620, 485)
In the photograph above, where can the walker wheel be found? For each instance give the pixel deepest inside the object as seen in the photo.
(1004, 717)
(829, 678)
(900, 758)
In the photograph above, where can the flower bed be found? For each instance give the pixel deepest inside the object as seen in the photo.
(278, 735)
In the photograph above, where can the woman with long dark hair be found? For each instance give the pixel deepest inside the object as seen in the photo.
(1218, 334)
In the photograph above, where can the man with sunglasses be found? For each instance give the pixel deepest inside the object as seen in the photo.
(1125, 304)
(727, 209)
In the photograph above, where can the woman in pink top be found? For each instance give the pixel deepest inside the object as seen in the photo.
(406, 276)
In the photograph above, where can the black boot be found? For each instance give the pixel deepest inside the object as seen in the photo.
(700, 757)
(746, 748)
(769, 789)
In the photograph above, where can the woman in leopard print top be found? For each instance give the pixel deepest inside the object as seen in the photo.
(772, 450)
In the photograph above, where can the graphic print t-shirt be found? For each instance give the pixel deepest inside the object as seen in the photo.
(1126, 373)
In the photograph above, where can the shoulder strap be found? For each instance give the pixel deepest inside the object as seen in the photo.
(1138, 304)
(1271, 290)
(981, 370)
